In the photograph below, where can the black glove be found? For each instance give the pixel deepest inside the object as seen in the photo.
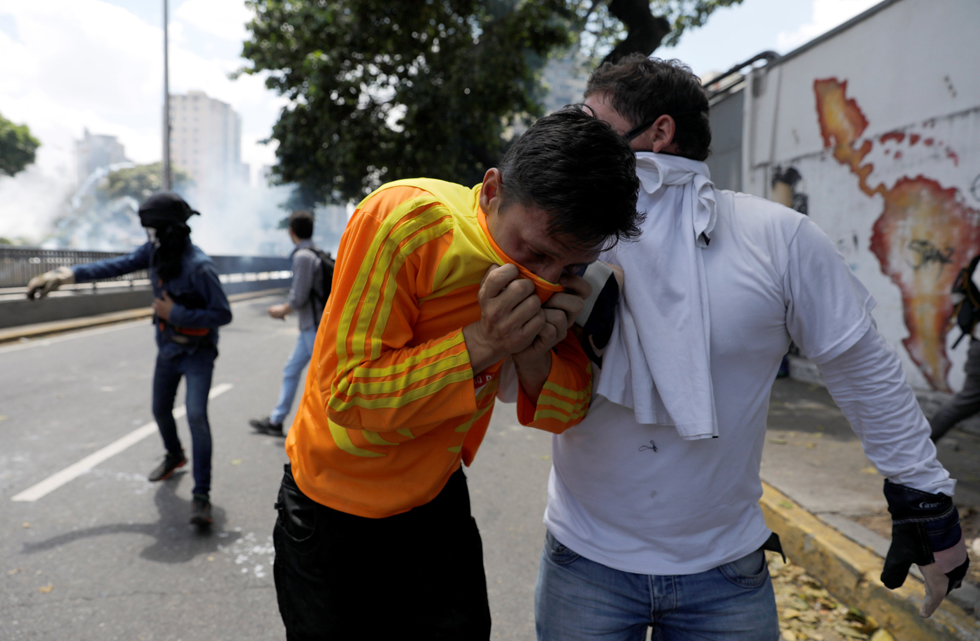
(925, 531)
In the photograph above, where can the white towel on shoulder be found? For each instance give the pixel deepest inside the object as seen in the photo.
(658, 361)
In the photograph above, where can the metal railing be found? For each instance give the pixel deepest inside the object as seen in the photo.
(18, 265)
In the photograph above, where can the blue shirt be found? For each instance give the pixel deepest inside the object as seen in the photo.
(199, 300)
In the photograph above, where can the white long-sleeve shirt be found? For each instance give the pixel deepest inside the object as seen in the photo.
(640, 499)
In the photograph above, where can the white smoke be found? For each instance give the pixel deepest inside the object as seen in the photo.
(245, 223)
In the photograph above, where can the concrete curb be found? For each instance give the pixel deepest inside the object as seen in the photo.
(37, 330)
(850, 571)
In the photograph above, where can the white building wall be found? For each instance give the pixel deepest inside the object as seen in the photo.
(910, 69)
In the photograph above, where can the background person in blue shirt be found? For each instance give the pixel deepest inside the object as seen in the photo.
(189, 306)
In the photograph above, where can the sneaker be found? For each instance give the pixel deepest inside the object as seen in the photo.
(166, 468)
(265, 426)
(201, 510)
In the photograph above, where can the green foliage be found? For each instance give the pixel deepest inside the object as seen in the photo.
(140, 182)
(17, 147)
(381, 90)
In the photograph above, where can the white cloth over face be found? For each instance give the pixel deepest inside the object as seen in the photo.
(658, 361)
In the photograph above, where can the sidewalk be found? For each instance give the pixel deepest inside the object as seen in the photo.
(812, 460)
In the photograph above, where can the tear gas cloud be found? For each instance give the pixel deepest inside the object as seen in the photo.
(41, 207)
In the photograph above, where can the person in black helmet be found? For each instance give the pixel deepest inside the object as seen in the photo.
(189, 306)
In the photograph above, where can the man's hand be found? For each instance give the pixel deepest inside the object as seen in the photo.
(534, 363)
(279, 311)
(510, 317)
(41, 286)
(162, 306)
(925, 531)
(560, 312)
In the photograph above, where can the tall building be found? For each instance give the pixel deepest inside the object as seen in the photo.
(96, 151)
(566, 79)
(206, 142)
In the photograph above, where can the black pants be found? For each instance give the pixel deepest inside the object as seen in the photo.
(417, 575)
(967, 402)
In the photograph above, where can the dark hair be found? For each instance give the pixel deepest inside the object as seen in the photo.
(301, 222)
(578, 170)
(642, 89)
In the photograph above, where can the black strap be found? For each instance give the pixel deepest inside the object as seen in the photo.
(326, 273)
(773, 544)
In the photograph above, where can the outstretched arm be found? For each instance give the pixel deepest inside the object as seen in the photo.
(868, 384)
(41, 286)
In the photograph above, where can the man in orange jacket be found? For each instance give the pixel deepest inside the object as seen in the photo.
(435, 285)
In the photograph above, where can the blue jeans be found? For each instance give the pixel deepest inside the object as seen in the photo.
(196, 369)
(576, 599)
(291, 374)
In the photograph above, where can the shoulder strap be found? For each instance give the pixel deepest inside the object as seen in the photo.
(326, 270)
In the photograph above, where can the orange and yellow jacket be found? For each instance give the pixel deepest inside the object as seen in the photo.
(391, 404)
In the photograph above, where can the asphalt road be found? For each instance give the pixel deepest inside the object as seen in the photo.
(108, 555)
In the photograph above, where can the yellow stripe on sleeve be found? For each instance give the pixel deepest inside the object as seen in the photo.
(465, 427)
(558, 416)
(556, 402)
(390, 402)
(377, 372)
(361, 281)
(572, 395)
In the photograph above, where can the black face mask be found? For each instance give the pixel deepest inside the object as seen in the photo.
(171, 245)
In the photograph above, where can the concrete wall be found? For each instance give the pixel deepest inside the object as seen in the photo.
(882, 121)
(725, 161)
(91, 302)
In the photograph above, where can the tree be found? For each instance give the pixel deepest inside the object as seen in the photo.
(139, 182)
(622, 27)
(17, 147)
(381, 90)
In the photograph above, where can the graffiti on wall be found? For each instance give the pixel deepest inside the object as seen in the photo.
(925, 232)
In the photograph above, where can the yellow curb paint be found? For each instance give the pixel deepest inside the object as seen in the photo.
(850, 571)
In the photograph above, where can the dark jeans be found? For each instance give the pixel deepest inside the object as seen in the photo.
(417, 575)
(967, 402)
(196, 369)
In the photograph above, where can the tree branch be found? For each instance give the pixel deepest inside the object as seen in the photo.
(644, 30)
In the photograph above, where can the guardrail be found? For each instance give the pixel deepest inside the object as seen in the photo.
(18, 265)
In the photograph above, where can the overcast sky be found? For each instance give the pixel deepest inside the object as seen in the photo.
(70, 64)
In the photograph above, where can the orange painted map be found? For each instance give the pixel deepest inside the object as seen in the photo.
(923, 237)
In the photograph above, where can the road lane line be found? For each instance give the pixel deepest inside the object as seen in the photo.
(72, 472)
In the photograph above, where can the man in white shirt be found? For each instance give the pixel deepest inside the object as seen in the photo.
(653, 515)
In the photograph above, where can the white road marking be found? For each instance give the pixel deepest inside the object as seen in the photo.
(72, 472)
